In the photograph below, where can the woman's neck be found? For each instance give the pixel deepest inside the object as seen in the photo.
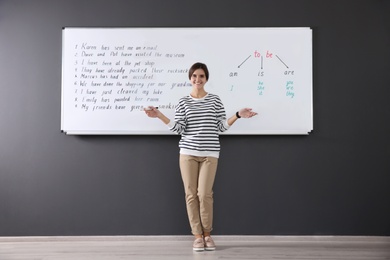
(198, 93)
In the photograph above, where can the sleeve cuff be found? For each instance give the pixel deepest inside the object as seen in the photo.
(171, 124)
(225, 124)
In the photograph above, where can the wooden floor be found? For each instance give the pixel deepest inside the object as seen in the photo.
(180, 248)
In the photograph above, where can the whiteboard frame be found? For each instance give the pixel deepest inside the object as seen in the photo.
(168, 132)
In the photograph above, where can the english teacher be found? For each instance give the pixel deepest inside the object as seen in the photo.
(199, 118)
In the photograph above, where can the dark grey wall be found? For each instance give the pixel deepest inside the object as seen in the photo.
(336, 181)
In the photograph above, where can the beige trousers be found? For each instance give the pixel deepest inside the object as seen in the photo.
(198, 174)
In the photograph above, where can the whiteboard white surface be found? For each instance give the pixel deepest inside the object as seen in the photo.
(110, 74)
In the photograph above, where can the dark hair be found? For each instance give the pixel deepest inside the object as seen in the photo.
(197, 66)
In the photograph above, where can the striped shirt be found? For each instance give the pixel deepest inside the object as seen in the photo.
(199, 122)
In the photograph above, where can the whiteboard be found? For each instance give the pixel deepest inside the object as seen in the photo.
(110, 74)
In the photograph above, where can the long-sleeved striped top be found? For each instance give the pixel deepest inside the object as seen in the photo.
(199, 121)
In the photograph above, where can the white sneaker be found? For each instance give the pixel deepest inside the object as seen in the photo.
(209, 244)
(198, 245)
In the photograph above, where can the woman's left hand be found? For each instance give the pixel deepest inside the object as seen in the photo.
(246, 113)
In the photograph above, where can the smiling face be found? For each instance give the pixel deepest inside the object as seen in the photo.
(198, 79)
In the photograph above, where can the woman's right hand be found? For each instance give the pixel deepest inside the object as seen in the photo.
(151, 111)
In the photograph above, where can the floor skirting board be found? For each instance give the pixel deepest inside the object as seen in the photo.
(342, 239)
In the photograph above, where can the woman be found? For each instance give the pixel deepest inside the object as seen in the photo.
(199, 118)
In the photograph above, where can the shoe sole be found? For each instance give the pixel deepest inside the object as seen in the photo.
(198, 249)
(209, 248)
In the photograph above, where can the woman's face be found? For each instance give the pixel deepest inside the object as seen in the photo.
(198, 79)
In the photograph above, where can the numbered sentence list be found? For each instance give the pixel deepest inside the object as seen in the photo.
(106, 80)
